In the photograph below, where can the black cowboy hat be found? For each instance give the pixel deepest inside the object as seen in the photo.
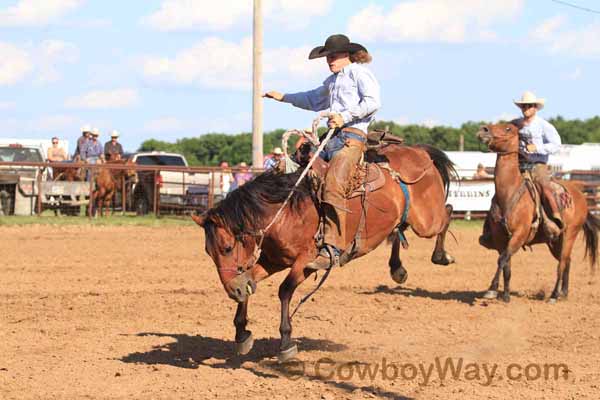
(335, 44)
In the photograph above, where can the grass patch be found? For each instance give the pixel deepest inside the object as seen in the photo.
(115, 220)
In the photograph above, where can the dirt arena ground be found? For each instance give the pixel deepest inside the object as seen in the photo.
(138, 312)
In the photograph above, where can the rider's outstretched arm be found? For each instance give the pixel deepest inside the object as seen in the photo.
(313, 100)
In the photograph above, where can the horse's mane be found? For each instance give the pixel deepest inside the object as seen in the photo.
(247, 208)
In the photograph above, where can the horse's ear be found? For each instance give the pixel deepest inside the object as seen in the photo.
(199, 219)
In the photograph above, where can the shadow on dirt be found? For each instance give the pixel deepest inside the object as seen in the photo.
(190, 351)
(194, 351)
(467, 297)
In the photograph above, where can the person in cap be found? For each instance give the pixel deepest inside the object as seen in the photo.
(273, 159)
(56, 153)
(352, 95)
(86, 132)
(113, 149)
(538, 139)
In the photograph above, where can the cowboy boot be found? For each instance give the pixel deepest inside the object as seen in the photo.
(333, 239)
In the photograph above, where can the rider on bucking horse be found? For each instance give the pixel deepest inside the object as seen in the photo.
(352, 96)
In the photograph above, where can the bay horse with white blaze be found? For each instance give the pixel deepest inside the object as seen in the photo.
(515, 226)
(245, 254)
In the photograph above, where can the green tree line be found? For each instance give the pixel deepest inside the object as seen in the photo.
(211, 148)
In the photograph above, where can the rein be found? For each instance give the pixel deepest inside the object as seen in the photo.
(261, 233)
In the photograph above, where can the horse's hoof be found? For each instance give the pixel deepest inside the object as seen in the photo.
(506, 297)
(243, 348)
(552, 300)
(288, 354)
(399, 276)
(490, 294)
(442, 259)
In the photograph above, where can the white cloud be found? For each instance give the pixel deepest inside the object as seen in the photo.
(104, 99)
(53, 53)
(15, 64)
(216, 63)
(454, 21)
(430, 123)
(559, 39)
(575, 74)
(207, 15)
(165, 124)
(36, 12)
(7, 105)
(54, 123)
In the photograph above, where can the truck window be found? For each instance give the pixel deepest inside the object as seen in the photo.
(160, 160)
(19, 154)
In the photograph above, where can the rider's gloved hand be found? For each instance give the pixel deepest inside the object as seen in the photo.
(335, 121)
(274, 95)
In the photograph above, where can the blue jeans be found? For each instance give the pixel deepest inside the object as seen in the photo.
(337, 143)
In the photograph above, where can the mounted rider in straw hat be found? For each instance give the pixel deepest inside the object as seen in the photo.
(352, 95)
(537, 140)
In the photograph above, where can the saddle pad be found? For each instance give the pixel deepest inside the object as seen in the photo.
(411, 163)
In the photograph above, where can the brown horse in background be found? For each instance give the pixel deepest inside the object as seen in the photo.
(245, 253)
(68, 173)
(513, 229)
(108, 182)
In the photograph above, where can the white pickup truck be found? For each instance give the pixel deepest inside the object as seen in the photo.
(177, 190)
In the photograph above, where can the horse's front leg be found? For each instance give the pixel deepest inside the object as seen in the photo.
(288, 349)
(243, 338)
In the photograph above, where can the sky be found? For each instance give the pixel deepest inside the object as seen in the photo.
(168, 69)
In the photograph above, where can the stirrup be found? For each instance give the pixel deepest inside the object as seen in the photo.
(334, 258)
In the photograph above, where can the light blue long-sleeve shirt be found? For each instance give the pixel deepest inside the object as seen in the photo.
(353, 92)
(543, 135)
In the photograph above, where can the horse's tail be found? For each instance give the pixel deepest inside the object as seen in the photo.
(442, 163)
(590, 229)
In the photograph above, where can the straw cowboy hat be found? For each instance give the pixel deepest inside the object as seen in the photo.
(86, 129)
(114, 134)
(277, 151)
(95, 132)
(530, 98)
(335, 44)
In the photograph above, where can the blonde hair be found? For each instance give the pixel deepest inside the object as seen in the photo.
(361, 57)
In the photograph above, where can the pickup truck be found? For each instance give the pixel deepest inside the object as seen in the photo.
(178, 191)
(18, 191)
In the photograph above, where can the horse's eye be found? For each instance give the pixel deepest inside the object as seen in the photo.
(508, 129)
(228, 250)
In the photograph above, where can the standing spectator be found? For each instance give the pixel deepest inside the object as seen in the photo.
(86, 132)
(272, 160)
(481, 172)
(55, 153)
(225, 178)
(243, 175)
(113, 149)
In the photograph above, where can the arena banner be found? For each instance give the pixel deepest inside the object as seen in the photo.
(471, 195)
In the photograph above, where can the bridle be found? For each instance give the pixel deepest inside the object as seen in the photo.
(240, 268)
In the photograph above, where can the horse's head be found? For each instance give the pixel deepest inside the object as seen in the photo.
(500, 138)
(233, 254)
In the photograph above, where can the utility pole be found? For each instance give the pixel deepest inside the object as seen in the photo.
(257, 102)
